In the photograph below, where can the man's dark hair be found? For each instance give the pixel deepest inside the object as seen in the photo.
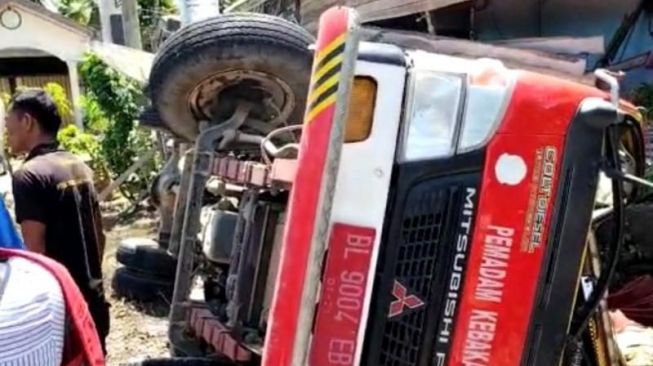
(38, 104)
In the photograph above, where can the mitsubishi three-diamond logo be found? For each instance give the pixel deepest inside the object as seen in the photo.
(403, 301)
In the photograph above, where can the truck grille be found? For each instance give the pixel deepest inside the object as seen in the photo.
(417, 252)
(417, 259)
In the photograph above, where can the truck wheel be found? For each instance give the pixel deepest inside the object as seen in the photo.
(202, 71)
(145, 255)
(140, 286)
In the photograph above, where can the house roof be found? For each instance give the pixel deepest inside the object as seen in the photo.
(42, 12)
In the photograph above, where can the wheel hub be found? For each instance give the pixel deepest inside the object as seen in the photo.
(216, 98)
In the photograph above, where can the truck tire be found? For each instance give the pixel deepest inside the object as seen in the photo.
(140, 286)
(145, 255)
(203, 69)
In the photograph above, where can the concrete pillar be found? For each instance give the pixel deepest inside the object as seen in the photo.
(75, 90)
(192, 11)
(130, 24)
(110, 9)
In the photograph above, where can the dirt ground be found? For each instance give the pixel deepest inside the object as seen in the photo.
(134, 334)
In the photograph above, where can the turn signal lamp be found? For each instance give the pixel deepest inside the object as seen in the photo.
(362, 104)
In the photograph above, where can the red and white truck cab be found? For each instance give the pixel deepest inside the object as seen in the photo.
(439, 213)
(435, 211)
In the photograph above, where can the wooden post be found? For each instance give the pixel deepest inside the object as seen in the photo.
(123, 177)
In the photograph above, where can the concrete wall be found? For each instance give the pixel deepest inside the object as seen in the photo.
(505, 19)
(38, 32)
(41, 32)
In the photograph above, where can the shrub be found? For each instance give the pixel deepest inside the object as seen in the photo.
(117, 101)
(94, 119)
(86, 146)
(58, 95)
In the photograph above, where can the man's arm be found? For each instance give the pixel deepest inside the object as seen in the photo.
(33, 235)
(29, 198)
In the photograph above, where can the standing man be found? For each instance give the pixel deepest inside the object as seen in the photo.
(56, 203)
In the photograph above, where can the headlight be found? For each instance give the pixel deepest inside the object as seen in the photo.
(452, 112)
(483, 111)
(433, 110)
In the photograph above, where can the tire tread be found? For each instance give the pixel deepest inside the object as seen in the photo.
(233, 36)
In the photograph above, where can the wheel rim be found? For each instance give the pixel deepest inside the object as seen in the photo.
(216, 97)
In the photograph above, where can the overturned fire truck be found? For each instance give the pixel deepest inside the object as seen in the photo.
(429, 210)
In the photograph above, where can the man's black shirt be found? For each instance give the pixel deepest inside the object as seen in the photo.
(54, 187)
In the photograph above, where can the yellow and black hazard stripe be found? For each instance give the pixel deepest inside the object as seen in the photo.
(326, 75)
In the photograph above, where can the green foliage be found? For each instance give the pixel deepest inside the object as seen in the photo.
(149, 11)
(58, 95)
(77, 142)
(81, 11)
(149, 14)
(643, 96)
(4, 98)
(87, 146)
(118, 100)
(94, 119)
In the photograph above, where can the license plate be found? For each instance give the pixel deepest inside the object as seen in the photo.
(344, 287)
